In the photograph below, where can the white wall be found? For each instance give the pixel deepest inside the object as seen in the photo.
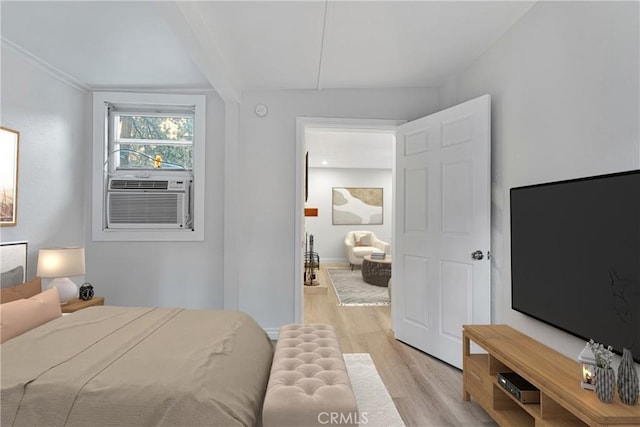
(565, 96)
(175, 274)
(50, 116)
(55, 194)
(266, 180)
(56, 137)
(564, 84)
(329, 238)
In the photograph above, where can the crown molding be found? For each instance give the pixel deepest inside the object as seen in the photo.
(79, 85)
(45, 66)
(153, 89)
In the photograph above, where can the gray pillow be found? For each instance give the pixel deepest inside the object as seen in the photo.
(12, 277)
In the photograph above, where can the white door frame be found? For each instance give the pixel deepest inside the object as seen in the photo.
(302, 123)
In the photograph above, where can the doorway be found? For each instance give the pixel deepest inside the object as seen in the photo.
(309, 130)
(441, 199)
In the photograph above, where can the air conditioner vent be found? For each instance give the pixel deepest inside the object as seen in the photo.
(148, 204)
(133, 184)
(156, 208)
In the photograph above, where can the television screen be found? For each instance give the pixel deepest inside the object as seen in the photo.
(575, 257)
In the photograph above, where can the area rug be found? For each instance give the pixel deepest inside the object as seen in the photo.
(375, 406)
(351, 289)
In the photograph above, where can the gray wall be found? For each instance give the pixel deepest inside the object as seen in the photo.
(266, 205)
(564, 84)
(50, 117)
(177, 274)
(55, 192)
(564, 87)
(329, 238)
(55, 195)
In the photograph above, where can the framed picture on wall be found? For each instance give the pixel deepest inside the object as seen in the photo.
(9, 141)
(354, 205)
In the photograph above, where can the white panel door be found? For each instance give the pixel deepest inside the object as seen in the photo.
(441, 267)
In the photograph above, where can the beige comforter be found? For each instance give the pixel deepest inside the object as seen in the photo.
(137, 366)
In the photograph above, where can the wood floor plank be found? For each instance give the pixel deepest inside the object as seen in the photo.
(426, 391)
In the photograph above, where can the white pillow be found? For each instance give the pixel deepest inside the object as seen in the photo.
(363, 239)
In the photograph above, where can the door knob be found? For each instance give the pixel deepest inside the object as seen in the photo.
(477, 255)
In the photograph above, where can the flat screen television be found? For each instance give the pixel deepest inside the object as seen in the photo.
(575, 257)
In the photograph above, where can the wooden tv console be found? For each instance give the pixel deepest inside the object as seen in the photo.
(562, 401)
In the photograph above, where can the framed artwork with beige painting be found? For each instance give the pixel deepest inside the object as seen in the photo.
(9, 141)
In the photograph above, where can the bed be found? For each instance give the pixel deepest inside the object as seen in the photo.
(133, 366)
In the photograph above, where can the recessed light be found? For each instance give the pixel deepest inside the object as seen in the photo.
(324, 162)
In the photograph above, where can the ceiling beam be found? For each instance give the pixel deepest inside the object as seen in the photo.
(186, 19)
(326, 26)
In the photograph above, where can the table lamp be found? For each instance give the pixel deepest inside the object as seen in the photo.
(60, 263)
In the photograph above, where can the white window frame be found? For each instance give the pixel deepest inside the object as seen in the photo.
(100, 155)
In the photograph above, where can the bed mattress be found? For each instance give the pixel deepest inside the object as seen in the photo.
(137, 366)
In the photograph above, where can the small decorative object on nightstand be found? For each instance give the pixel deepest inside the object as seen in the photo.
(77, 304)
(86, 291)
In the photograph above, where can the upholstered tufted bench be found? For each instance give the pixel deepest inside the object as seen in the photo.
(309, 384)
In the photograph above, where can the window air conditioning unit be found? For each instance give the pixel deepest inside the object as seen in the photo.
(152, 202)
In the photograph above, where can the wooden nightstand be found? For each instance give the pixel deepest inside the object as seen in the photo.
(78, 304)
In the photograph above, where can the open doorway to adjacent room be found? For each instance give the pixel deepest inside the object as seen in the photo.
(348, 178)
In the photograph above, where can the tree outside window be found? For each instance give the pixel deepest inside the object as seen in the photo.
(154, 141)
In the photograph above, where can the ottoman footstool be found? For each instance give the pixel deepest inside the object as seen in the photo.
(309, 384)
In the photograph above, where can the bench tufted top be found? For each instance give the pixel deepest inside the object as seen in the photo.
(309, 383)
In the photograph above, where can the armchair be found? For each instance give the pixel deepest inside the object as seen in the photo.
(358, 244)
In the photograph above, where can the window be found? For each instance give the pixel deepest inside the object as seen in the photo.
(147, 140)
(148, 166)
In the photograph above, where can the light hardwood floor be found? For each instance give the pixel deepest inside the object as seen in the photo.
(426, 391)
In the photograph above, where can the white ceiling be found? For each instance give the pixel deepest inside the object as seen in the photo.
(103, 44)
(231, 46)
(256, 44)
(355, 148)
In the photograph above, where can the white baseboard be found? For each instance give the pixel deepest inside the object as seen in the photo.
(333, 261)
(272, 332)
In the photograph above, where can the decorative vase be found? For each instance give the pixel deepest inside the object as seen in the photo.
(627, 379)
(605, 384)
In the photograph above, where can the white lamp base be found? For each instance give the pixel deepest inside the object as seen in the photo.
(67, 290)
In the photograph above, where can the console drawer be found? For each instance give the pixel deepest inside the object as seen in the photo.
(477, 379)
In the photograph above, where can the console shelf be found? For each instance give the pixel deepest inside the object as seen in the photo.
(563, 403)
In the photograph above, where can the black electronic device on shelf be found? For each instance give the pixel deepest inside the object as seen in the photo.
(520, 388)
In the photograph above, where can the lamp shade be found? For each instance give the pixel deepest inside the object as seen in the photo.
(61, 262)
